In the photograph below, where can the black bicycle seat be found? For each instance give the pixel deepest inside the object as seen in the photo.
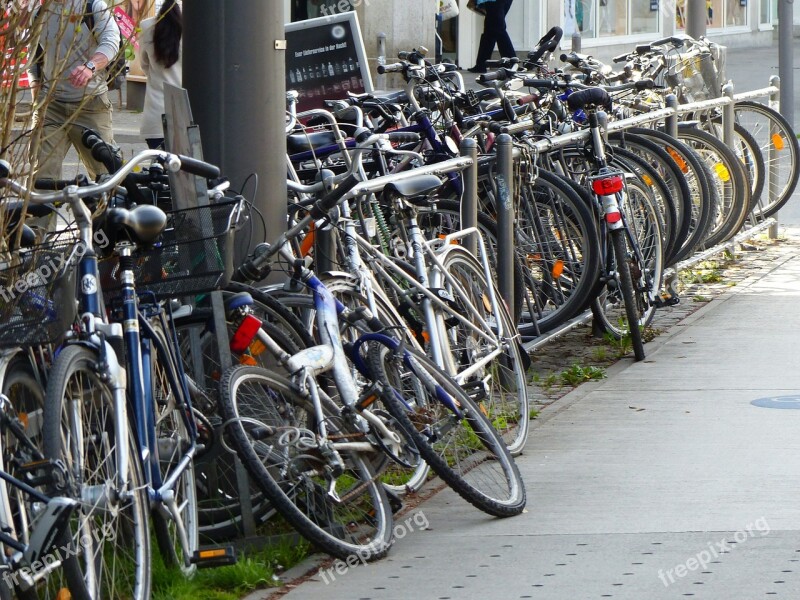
(141, 225)
(415, 190)
(302, 142)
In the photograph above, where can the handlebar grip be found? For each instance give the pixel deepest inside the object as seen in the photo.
(198, 167)
(596, 96)
(645, 84)
(499, 75)
(548, 43)
(403, 137)
(54, 184)
(643, 48)
(392, 68)
(330, 200)
(527, 99)
(675, 41)
(620, 58)
(548, 84)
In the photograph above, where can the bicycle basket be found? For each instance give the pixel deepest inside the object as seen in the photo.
(694, 75)
(37, 294)
(194, 256)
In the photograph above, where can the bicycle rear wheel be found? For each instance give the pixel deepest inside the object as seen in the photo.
(458, 442)
(337, 505)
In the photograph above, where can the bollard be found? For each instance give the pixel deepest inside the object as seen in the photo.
(728, 115)
(671, 122)
(772, 176)
(469, 198)
(380, 80)
(505, 220)
(576, 42)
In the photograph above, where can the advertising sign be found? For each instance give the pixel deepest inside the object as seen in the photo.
(325, 59)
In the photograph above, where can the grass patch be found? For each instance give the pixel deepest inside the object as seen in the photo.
(577, 374)
(700, 298)
(255, 569)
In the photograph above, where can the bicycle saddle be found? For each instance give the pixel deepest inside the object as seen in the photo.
(416, 190)
(141, 225)
(301, 142)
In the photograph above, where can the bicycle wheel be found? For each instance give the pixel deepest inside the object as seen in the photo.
(489, 363)
(458, 442)
(333, 499)
(110, 533)
(177, 534)
(698, 176)
(557, 242)
(22, 386)
(410, 472)
(645, 269)
(729, 178)
(780, 149)
(630, 300)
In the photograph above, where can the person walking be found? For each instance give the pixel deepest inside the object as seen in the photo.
(73, 94)
(160, 57)
(494, 33)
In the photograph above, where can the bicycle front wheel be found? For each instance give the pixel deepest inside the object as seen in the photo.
(331, 497)
(489, 360)
(458, 441)
(110, 543)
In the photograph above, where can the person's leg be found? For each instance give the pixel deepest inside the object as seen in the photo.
(54, 143)
(94, 113)
(493, 23)
(504, 44)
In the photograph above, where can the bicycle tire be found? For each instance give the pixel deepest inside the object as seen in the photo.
(278, 407)
(501, 383)
(626, 289)
(459, 461)
(705, 196)
(730, 179)
(130, 542)
(558, 245)
(780, 149)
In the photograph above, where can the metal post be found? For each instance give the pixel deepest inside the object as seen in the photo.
(505, 220)
(772, 174)
(576, 41)
(234, 71)
(380, 80)
(671, 122)
(728, 117)
(696, 17)
(786, 58)
(469, 199)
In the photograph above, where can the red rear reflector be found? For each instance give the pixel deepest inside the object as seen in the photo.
(245, 334)
(613, 217)
(606, 186)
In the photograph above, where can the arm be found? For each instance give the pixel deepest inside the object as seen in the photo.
(107, 34)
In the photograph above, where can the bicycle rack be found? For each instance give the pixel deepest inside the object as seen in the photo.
(670, 115)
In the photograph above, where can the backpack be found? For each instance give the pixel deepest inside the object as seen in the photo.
(117, 69)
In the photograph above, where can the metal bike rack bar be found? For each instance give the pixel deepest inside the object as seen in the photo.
(469, 198)
(544, 339)
(505, 219)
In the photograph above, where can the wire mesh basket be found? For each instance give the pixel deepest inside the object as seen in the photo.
(194, 255)
(37, 294)
(697, 75)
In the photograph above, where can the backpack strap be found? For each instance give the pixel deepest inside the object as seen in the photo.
(88, 16)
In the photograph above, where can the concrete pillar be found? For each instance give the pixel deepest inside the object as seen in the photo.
(696, 15)
(234, 71)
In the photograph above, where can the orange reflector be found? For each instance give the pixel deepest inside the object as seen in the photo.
(647, 180)
(206, 554)
(441, 236)
(308, 241)
(215, 375)
(483, 409)
(678, 160)
(63, 594)
(246, 359)
(256, 347)
(605, 186)
(777, 141)
(487, 303)
(426, 336)
(558, 268)
(722, 172)
(23, 417)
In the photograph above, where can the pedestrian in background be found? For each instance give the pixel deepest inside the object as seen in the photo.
(494, 33)
(160, 57)
(73, 94)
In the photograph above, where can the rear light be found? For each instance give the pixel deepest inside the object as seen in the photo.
(606, 186)
(245, 334)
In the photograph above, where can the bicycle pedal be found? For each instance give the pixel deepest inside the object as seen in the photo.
(395, 501)
(43, 474)
(220, 556)
(666, 300)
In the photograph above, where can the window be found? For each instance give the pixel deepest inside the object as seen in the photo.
(720, 13)
(765, 14)
(606, 18)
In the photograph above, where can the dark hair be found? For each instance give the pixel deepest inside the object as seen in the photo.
(167, 34)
